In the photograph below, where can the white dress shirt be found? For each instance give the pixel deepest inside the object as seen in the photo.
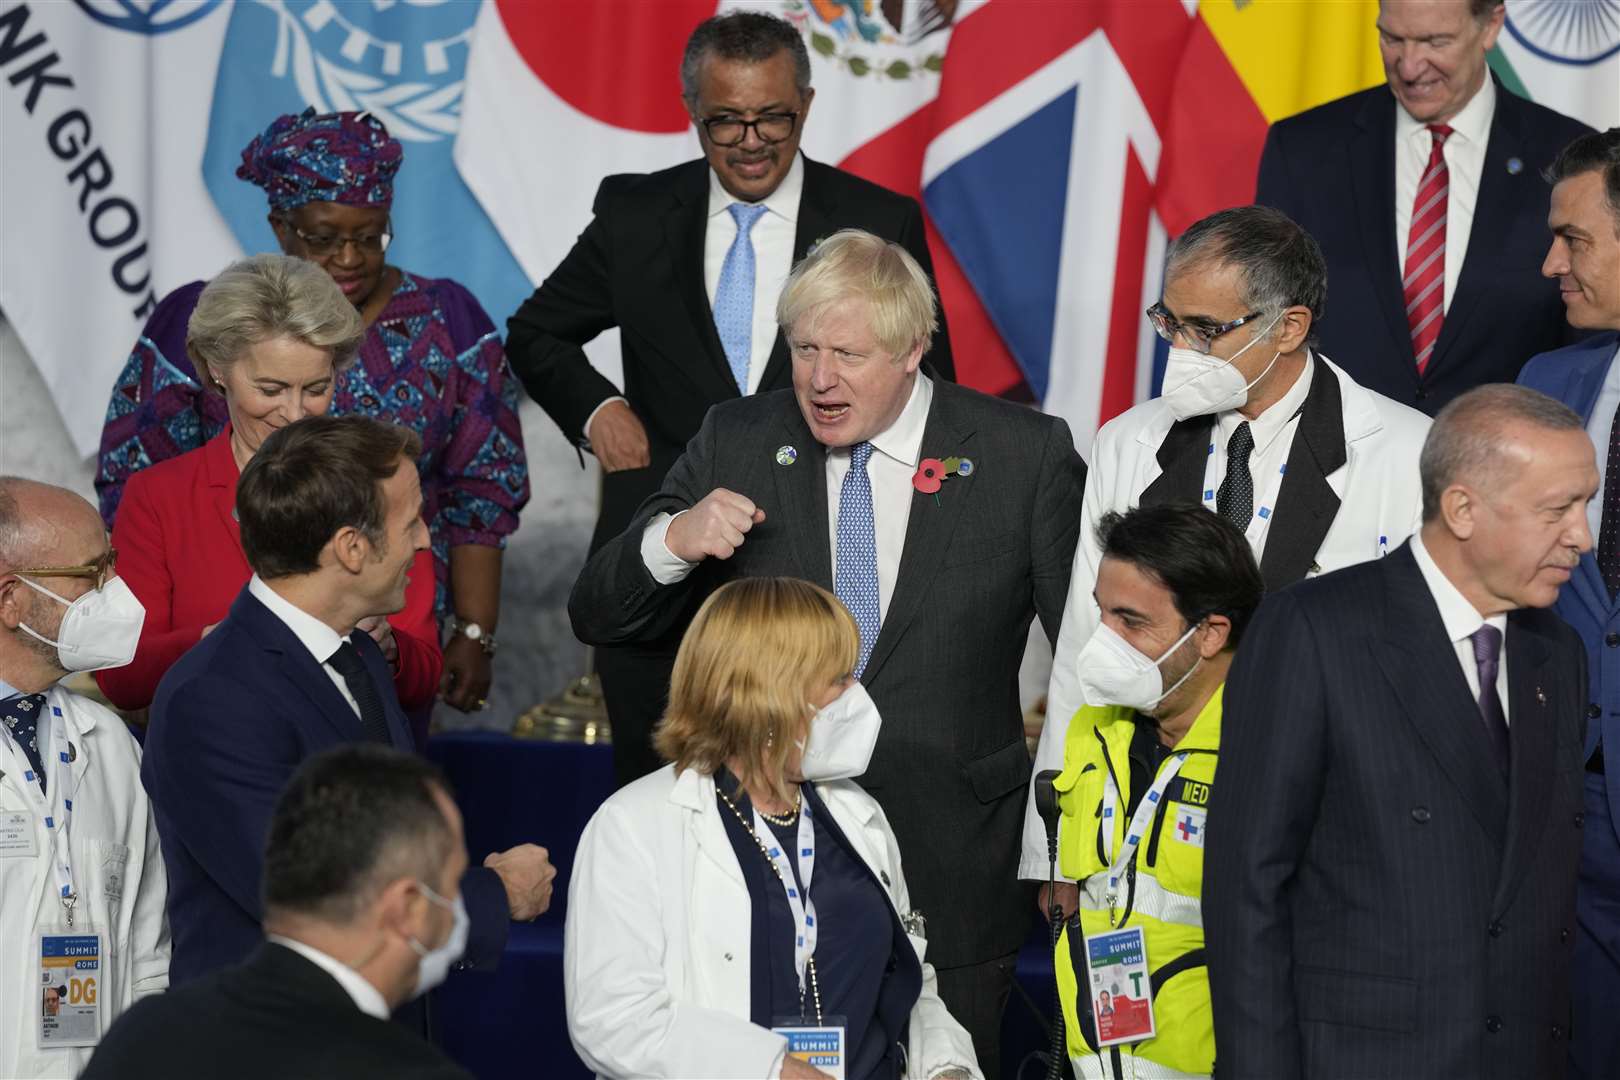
(773, 235)
(896, 454)
(1599, 426)
(1461, 619)
(321, 640)
(1273, 432)
(1465, 160)
(367, 998)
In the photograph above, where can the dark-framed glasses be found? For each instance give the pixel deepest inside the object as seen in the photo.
(322, 245)
(1199, 335)
(732, 130)
(101, 570)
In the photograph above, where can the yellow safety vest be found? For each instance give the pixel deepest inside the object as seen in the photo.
(1163, 896)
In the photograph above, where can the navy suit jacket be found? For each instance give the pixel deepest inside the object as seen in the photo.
(1574, 375)
(232, 721)
(1332, 169)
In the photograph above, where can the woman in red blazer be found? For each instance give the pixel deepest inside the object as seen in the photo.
(270, 334)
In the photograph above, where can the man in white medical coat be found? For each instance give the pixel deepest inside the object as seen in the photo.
(82, 886)
(1317, 471)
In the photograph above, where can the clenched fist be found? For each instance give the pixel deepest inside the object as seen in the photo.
(715, 527)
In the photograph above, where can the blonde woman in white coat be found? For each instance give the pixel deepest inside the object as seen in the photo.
(751, 887)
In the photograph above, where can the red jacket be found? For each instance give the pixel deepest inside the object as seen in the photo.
(180, 553)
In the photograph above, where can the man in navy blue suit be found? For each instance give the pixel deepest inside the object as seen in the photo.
(1585, 260)
(1426, 199)
(331, 519)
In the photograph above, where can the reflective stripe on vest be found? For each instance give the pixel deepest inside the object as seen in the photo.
(1131, 1067)
(1148, 898)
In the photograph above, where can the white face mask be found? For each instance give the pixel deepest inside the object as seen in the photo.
(100, 629)
(1113, 672)
(1199, 385)
(436, 963)
(841, 737)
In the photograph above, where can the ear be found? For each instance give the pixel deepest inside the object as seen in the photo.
(284, 234)
(1216, 633)
(1493, 27)
(1457, 507)
(12, 601)
(804, 110)
(350, 549)
(1294, 329)
(399, 907)
(913, 358)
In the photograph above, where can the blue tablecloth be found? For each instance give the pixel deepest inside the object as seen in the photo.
(511, 1022)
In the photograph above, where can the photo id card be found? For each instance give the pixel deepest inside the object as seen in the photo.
(17, 834)
(820, 1047)
(69, 989)
(1120, 996)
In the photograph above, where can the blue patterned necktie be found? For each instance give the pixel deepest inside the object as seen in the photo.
(856, 579)
(21, 716)
(734, 298)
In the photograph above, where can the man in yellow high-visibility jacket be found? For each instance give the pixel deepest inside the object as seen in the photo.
(1175, 588)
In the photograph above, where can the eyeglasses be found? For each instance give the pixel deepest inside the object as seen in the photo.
(770, 127)
(322, 245)
(101, 569)
(1200, 336)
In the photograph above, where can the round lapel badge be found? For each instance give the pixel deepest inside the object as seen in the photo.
(965, 468)
(1514, 166)
(786, 455)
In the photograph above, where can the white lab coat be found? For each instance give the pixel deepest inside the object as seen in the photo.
(1380, 505)
(656, 954)
(118, 874)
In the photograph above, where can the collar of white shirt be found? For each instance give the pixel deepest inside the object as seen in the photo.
(783, 202)
(321, 640)
(1268, 425)
(902, 440)
(367, 998)
(1457, 613)
(1472, 124)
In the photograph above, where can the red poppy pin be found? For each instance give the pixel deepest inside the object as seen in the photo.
(933, 472)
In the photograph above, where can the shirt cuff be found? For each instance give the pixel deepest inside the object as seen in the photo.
(585, 429)
(664, 565)
(776, 1066)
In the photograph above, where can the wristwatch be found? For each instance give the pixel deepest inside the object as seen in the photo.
(473, 632)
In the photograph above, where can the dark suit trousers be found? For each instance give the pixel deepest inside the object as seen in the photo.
(976, 994)
(635, 688)
(1594, 1049)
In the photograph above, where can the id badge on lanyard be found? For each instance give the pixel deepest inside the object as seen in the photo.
(69, 954)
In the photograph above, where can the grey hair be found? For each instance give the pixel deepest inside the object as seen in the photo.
(12, 537)
(1596, 151)
(1467, 441)
(1281, 263)
(853, 263)
(750, 36)
(266, 297)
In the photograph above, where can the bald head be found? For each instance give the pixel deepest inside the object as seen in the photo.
(46, 525)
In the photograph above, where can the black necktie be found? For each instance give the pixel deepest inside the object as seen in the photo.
(1487, 652)
(347, 663)
(1235, 500)
(21, 717)
(1608, 547)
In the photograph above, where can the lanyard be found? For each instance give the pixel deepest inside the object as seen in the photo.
(56, 811)
(1138, 825)
(1215, 472)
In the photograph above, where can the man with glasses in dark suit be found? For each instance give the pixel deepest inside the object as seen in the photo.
(687, 263)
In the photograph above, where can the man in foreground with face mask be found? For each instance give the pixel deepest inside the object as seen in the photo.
(1176, 587)
(362, 912)
(81, 878)
(1316, 471)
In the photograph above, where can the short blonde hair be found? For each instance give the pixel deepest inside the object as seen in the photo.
(854, 263)
(265, 297)
(756, 649)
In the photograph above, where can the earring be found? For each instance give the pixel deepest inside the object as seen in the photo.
(770, 737)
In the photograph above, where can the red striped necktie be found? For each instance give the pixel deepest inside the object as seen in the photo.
(1424, 280)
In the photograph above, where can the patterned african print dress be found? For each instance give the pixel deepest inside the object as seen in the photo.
(432, 362)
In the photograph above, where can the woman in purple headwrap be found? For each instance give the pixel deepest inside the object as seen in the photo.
(431, 360)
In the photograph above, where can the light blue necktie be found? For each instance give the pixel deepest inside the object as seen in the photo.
(734, 298)
(856, 578)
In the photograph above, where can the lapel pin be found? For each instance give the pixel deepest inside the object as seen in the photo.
(965, 467)
(1514, 166)
(73, 753)
(786, 455)
(1541, 695)
(884, 874)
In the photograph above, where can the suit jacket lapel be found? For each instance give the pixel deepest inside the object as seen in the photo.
(802, 489)
(220, 474)
(1531, 738)
(1373, 179)
(817, 219)
(1306, 503)
(1422, 666)
(931, 524)
(300, 669)
(1182, 457)
(686, 229)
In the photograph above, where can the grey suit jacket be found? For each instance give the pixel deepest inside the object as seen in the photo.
(1379, 900)
(980, 561)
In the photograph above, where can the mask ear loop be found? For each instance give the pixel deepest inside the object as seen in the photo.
(1191, 630)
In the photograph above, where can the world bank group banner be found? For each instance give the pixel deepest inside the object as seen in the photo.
(1055, 146)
